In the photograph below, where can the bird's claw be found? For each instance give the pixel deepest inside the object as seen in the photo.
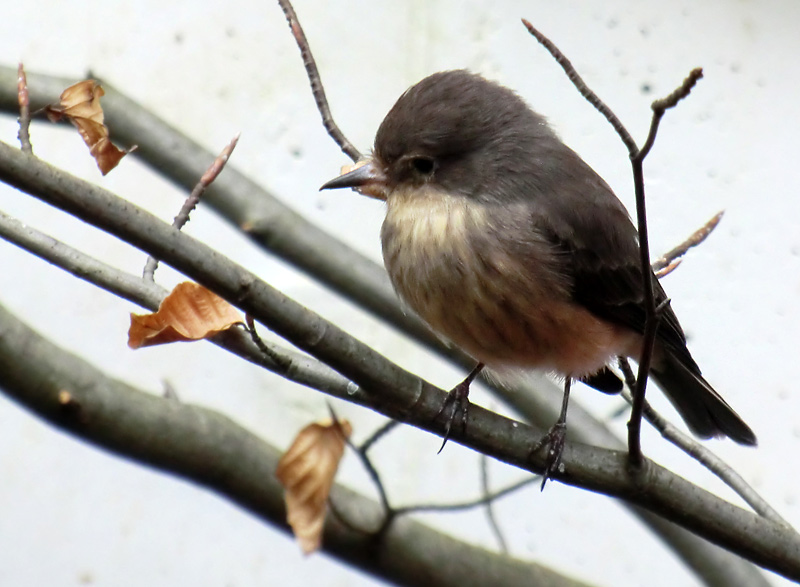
(553, 441)
(458, 397)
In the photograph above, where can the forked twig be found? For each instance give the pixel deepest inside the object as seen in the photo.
(652, 312)
(361, 452)
(659, 107)
(653, 315)
(391, 512)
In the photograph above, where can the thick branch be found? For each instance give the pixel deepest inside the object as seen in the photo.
(395, 392)
(208, 448)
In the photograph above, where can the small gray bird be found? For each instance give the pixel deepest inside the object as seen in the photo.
(509, 245)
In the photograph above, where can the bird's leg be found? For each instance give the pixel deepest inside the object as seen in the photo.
(555, 437)
(459, 398)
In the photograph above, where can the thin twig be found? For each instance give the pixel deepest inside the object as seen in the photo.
(666, 263)
(317, 88)
(485, 500)
(378, 434)
(489, 506)
(583, 88)
(699, 452)
(366, 462)
(272, 352)
(383, 497)
(652, 314)
(24, 111)
(194, 198)
(465, 505)
(650, 324)
(659, 107)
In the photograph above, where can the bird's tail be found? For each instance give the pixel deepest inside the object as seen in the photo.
(702, 408)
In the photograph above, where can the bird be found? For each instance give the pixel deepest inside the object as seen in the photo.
(511, 247)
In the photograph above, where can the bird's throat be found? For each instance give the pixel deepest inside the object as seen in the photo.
(424, 222)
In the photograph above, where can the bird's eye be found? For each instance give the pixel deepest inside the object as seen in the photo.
(423, 165)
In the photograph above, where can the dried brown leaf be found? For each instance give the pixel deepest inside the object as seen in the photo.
(80, 104)
(306, 471)
(189, 312)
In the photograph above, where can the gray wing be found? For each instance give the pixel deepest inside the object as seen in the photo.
(591, 228)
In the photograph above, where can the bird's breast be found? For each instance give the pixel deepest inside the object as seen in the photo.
(502, 300)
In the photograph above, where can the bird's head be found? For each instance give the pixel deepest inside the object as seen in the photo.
(455, 132)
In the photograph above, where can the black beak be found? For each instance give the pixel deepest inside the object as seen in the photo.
(367, 179)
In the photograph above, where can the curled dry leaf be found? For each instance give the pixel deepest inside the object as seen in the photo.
(80, 104)
(306, 471)
(189, 312)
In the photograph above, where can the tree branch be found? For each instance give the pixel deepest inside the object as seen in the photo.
(700, 453)
(397, 393)
(293, 366)
(206, 447)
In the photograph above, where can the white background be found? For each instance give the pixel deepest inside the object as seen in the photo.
(73, 515)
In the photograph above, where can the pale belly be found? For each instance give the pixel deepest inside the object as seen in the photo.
(501, 312)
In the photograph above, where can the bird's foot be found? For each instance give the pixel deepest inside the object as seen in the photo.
(553, 440)
(458, 401)
(459, 398)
